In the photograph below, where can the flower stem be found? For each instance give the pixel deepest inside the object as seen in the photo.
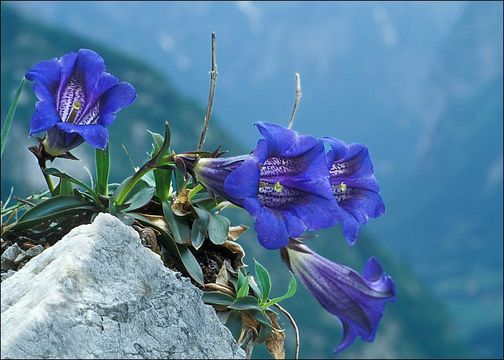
(294, 326)
(297, 97)
(213, 79)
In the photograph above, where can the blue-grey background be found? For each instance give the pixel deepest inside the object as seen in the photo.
(419, 83)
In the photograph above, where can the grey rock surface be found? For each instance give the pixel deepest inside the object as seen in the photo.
(98, 293)
(8, 257)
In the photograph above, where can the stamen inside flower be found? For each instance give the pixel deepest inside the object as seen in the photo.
(278, 187)
(343, 186)
(75, 109)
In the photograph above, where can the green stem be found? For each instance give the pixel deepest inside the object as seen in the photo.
(47, 177)
(119, 199)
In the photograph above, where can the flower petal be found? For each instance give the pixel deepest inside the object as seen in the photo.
(96, 135)
(46, 77)
(271, 229)
(285, 142)
(89, 66)
(44, 117)
(358, 301)
(349, 161)
(115, 99)
(243, 182)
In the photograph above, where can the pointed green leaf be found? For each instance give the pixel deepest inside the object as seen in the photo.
(157, 142)
(263, 280)
(218, 228)
(52, 208)
(163, 184)
(234, 323)
(217, 298)
(290, 293)
(178, 225)
(260, 315)
(241, 280)
(199, 227)
(243, 290)
(191, 264)
(65, 187)
(139, 196)
(10, 115)
(245, 303)
(102, 170)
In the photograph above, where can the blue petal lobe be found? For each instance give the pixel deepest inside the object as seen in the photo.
(46, 77)
(271, 229)
(243, 182)
(44, 117)
(95, 135)
(118, 97)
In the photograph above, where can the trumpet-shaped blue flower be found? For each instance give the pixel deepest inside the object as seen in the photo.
(284, 184)
(357, 300)
(354, 186)
(77, 99)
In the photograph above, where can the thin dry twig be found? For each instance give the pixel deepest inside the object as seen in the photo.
(213, 79)
(297, 98)
(294, 326)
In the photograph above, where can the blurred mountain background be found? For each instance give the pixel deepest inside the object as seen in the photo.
(419, 83)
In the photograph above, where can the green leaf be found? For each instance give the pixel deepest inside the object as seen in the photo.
(10, 115)
(264, 333)
(163, 184)
(125, 218)
(102, 170)
(199, 227)
(52, 208)
(139, 196)
(164, 147)
(65, 187)
(242, 285)
(234, 323)
(263, 280)
(254, 287)
(218, 228)
(242, 279)
(157, 142)
(191, 264)
(178, 225)
(56, 173)
(260, 315)
(179, 180)
(245, 303)
(217, 298)
(290, 293)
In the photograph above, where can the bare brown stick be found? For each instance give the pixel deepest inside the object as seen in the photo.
(213, 78)
(297, 97)
(294, 326)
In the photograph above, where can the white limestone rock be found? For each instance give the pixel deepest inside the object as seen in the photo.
(98, 293)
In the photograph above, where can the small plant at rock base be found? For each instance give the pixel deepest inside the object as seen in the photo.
(291, 183)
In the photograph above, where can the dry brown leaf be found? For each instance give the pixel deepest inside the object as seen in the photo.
(236, 231)
(222, 276)
(249, 323)
(235, 248)
(275, 342)
(181, 205)
(222, 288)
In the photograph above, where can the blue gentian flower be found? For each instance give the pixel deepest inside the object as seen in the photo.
(284, 184)
(77, 99)
(357, 300)
(354, 186)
